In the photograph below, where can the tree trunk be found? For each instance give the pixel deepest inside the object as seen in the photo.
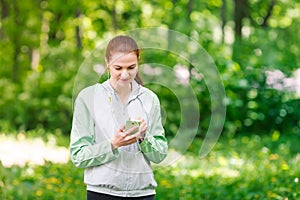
(77, 30)
(190, 10)
(4, 9)
(15, 67)
(4, 14)
(16, 44)
(224, 19)
(114, 16)
(240, 12)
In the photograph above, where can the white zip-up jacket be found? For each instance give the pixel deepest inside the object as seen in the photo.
(98, 114)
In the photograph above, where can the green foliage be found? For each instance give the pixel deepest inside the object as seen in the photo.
(45, 97)
(244, 167)
(253, 105)
(45, 43)
(247, 167)
(51, 181)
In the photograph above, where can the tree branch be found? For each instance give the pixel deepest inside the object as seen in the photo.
(268, 15)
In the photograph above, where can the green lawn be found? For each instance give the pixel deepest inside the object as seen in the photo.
(245, 167)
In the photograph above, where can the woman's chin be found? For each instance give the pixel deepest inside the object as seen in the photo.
(123, 83)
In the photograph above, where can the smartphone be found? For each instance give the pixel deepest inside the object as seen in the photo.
(131, 123)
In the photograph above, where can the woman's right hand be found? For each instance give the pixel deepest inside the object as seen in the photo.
(123, 138)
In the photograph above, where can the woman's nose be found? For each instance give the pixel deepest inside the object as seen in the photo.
(124, 73)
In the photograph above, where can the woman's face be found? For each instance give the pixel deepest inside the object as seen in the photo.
(123, 68)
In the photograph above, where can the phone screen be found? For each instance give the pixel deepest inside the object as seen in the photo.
(131, 123)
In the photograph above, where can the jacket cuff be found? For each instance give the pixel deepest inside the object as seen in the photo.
(145, 146)
(115, 151)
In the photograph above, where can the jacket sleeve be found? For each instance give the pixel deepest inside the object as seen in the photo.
(84, 152)
(155, 146)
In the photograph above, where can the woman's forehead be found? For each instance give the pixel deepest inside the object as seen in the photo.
(123, 59)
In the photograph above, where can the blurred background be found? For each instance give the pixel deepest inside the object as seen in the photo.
(254, 44)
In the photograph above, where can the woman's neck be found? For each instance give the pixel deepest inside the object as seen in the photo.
(122, 91)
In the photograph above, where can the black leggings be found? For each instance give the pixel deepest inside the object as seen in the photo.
(99, 196)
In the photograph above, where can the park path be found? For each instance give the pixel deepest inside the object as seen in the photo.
(34, 151)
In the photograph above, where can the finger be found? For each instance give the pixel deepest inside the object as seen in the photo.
(141, 119)
(136, 135)
(129, 131)
(143, 127)
(131, 138)
(122, 128)
(143, 123)
(121, 135)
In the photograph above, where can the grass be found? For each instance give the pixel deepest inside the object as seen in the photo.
(245, 167)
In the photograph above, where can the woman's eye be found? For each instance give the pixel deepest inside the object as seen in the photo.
(131, 67)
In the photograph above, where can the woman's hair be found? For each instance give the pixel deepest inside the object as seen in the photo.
(123, 44)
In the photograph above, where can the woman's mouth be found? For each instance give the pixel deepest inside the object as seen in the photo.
(124, 80)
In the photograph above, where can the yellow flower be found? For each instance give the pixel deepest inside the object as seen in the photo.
(284, 166)
(39, 193)
(165, 183)
(52, 180)
(273, 179)
(49, 187)
(15, 182)
(70, 191)
(274, 156)
(68, 180)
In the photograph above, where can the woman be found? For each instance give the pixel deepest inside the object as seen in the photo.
(117, 160)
